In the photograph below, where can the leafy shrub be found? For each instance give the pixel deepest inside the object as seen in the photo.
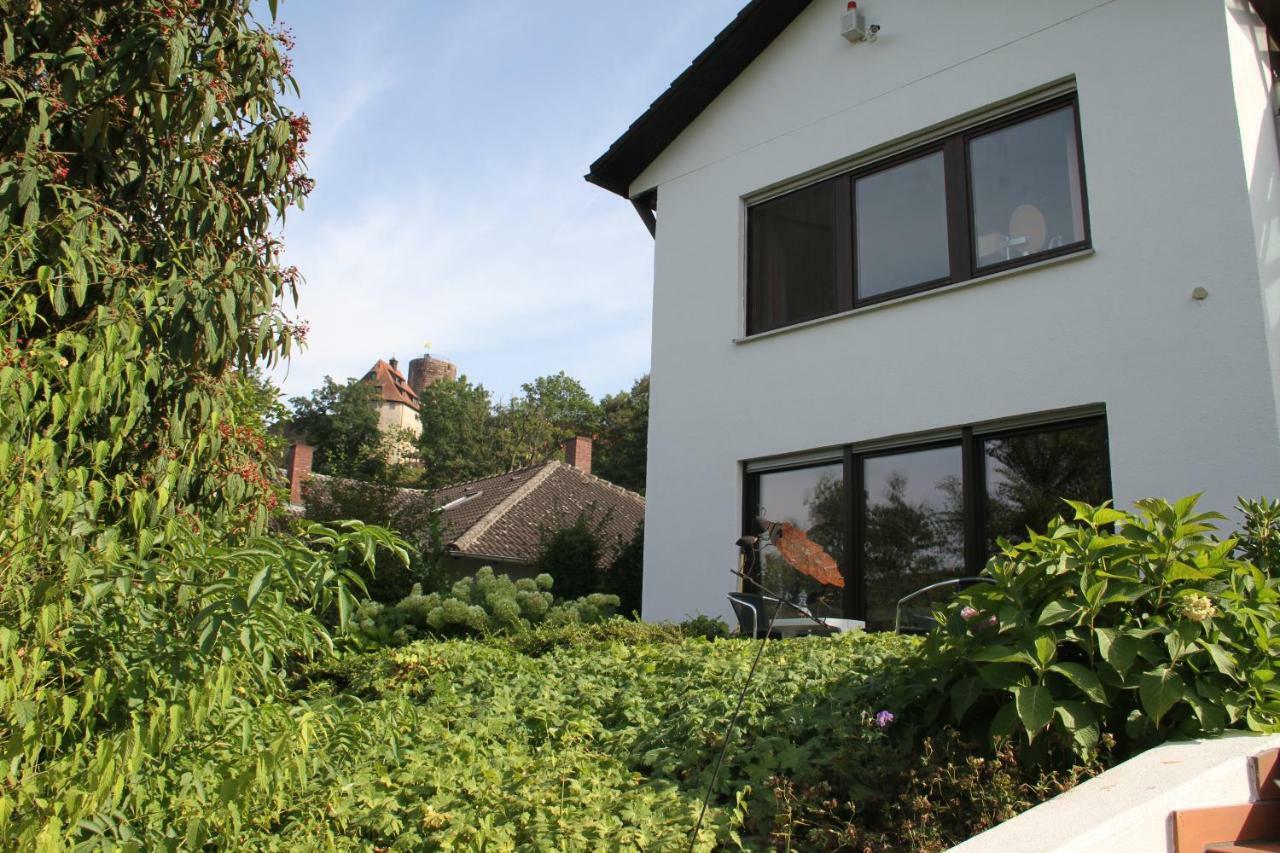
(409, 513)
(1259, 540)
(625, 577)
(479, 605)
(1138, 625)
(147, 624)
(604, 736)
(708, 627)
(947, 791)
(571, 554)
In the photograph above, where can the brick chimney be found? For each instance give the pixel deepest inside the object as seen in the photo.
(577, 452)
(297, 463)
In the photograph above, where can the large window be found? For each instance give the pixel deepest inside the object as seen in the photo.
(923, 513)
(996, 196)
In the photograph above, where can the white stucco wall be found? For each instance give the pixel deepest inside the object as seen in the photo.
(1180, 162)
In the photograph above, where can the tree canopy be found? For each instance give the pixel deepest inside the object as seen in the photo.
(341, 420)
(622, 446)
(145, 157)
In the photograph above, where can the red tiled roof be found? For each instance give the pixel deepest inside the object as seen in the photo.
(503, 517)
(392, 385)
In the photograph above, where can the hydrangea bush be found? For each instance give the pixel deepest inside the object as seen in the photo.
(486, 603)
(1140, 626)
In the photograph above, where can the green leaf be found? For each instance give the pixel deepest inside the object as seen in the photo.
(1117, 649)
(255, 586)
(1057, 611)
(1035, 707)
(963, 695)
(1080, 720)
(1005, 721)
(1083, 678)
(1159, 690)
(1002, 654)
(1222, 659)
(1046, 645)
(1002, 676)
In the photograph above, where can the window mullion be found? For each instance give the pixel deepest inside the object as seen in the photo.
(972, 489)
(855, 593)
(959, 222)
(844, 244)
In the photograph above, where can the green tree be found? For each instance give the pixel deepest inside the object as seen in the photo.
(410, 513)
(625, 577)
(571, 554)
(622, 445)
(341, 420)
(458, 441)
(529, 428)
(144, 157)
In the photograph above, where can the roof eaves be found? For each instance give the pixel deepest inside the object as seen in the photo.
(730, 52)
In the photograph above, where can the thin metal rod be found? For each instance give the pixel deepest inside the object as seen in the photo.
(728, 732)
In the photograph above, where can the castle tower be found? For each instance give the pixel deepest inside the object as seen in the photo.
(426, 370)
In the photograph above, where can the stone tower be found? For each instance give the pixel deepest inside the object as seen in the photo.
(426, 370)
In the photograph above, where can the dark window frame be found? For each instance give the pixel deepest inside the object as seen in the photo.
(971, 441)
(960, 217)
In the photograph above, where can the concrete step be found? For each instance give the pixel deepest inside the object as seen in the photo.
(1245, 847)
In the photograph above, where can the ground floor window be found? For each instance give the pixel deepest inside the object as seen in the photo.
(898, 519)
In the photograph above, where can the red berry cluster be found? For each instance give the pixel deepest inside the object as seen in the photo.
(300, 132)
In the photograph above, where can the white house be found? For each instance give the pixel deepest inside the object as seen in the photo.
(910, 291)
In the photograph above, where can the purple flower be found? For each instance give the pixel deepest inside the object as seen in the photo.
(968, 612)
(884, 719)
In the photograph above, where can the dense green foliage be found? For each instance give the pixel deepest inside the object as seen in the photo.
(457, 443)
(625, 576)
(148, 622)
(478, 606)
(467, 435)
(341, 422)
(572, 554)
(409, 513)
(1141, 626)
(622, 444)
(602, 737)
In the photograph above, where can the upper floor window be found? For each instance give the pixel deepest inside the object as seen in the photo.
(1005, 193)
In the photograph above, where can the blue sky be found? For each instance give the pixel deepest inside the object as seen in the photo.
(449, 140)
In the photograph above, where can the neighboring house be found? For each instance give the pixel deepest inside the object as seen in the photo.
(499, 521)
(397, 402)
(909, 292)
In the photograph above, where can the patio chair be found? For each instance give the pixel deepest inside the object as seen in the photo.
(918, 619)
(750, 610)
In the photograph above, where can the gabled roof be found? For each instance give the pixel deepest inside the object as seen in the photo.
(728, 55)
(392, 386)
(502, 517)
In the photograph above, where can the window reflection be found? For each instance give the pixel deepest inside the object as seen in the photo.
(913, 526)
(1028, 475)
(792, 264)
(812, 499)
(901, 216)
(1025, 182)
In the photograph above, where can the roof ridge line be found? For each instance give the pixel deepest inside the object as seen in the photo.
(602, 481)
(491, 517)
(506, 473)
